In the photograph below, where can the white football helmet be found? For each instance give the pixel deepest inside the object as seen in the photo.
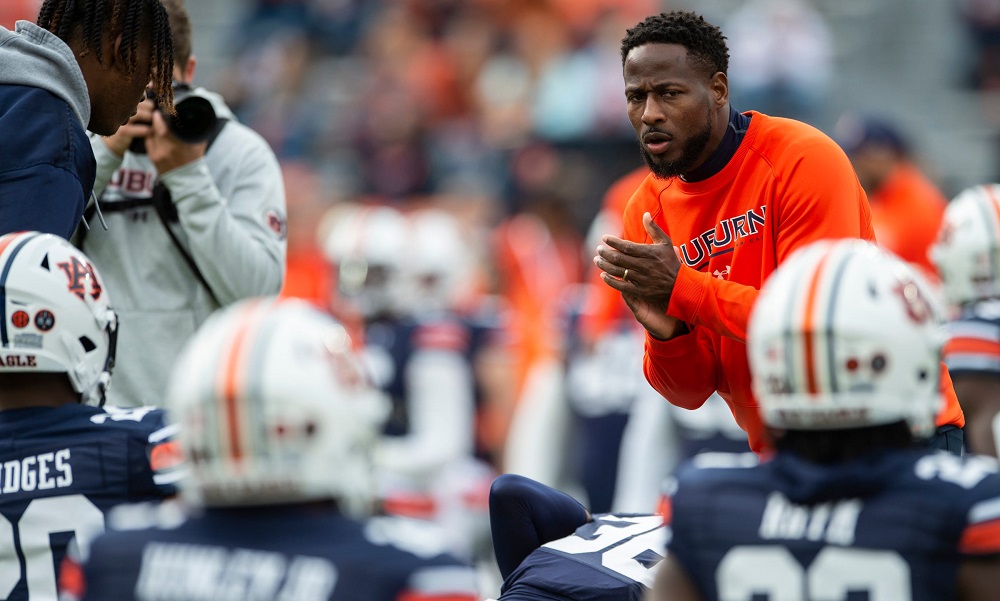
(967, 252)
(438, 260)
(845, 335)
(368, 246)
(274, 408)
(57, 315)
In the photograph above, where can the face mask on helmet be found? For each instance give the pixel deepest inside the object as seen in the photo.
(273, 408)
(967, 251)
(57, 317)
(368, 247)
(843, 336)
(439, 261)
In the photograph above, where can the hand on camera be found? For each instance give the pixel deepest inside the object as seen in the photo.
(138, 127)
(166, 151)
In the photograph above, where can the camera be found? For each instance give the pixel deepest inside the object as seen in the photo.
(194, 120)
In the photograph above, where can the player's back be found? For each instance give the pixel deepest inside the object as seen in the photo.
(63, 468)
(972, 340)
(611, 558)
(392, 345)
(895, 525)
(305, 553)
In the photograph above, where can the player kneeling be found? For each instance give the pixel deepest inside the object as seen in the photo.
(844, 347)
(276, 420)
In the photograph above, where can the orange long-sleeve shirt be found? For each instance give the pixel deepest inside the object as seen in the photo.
(787, 185)
(906, 213)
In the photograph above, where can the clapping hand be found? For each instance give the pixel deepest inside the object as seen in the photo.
(645, 275)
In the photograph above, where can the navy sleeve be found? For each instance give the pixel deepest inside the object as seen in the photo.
(525, 515)
(47, 168)
(155, 460)
(43, 198)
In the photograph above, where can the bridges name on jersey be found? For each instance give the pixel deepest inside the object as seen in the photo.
(63, 468)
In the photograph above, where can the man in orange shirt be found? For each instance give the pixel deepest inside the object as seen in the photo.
(907, 208)
(738, 193)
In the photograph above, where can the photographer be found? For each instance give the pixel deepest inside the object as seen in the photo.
(191, 226)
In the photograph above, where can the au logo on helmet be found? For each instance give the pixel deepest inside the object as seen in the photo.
(917, 307)
(78, 272)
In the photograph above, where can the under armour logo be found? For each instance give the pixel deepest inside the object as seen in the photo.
(723, 273)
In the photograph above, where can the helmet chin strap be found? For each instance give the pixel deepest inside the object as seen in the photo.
(96, 394)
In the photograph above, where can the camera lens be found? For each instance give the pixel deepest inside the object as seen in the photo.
(194, 120)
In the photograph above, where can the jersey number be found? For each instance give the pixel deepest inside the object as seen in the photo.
(639, 534)
(42, 518)
(773, 571)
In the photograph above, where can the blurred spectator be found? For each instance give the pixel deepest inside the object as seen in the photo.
(307, 274)
(780, 58)
(907, 207)
(269, 92)
(12, 11)
(472, 83)
(982, 19)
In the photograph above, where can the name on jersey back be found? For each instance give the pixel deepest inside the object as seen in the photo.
(190, 572)
(44, 471)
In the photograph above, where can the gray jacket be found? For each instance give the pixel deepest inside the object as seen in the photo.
(231, 207)
(32, 56)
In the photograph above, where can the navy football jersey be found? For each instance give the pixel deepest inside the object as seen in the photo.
(973, 345)
(894, 525)
(612, 558)
(391, 344)
(61, 470)
(280, 553)
(708, 429)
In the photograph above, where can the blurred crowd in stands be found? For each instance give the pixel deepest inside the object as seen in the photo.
(508, 116)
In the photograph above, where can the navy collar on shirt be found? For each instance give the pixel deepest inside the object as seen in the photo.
(738, 124)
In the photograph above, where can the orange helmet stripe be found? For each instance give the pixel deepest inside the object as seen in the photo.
(232, 379)
(810, 323)
(7, 240)
(994, 202)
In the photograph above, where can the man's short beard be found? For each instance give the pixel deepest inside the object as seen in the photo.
(689, 156)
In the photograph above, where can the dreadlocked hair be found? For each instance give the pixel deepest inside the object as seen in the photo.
(704, 41)
(132, 19)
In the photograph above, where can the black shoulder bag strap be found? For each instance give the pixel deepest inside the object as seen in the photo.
(165, 209)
